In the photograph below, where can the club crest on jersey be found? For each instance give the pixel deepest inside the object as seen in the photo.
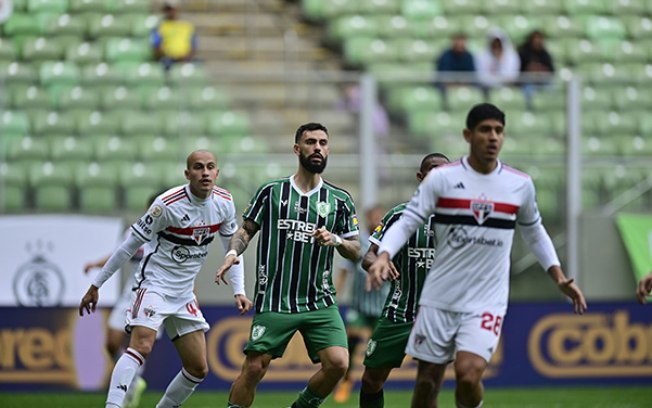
(323, 208)
(371, 347)
(257, 332)
(199, 234)
(481, 210)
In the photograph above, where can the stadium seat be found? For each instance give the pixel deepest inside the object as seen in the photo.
(596, 98)
(626, 7)
(631, 97)
(26, 148)
(14, 123)
(114, 148)
(150, 74)
(97, 184)
(84, 54)
(29, 97)
(549, 100)
(352, 26)
(229, 123)
(421, 9)
(502, 7)
(70, 149)
(47, 6)
(604, 28)
(139, 181)
(7, 50)
(127, 49)
(560, 26)
(584, 7)
(127, 6)
(22, 24)
(120, 98)
(87, 6)
(583, 51)
(526, 125)
(628, 52)
(395, 26)
(518, 26)
(414, 50)
(635, 146)
(16, 72)
(101, 75)
(163, 98)
(318, 10)
(108, 25)
(466, 7)
(598, 146)
(158, 149)
(65, 24)
(139, 123)
(463, 97)
(41, 49)
(439, 27)
(59, 73)
(379, 6)
(52, 184)
(205, 98)
(509, 98)
(142, 24)
(361, 51)
(51, 122)
(638, 27)
(97, 123)
(77, 98)
(188, 74)
(14, 179)
(179, 123)
(440, 123)
(415, 98)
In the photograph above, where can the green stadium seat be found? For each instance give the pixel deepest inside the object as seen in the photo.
(180, 123)
(84, 54)
(29, 97)
(19, 5)
(526, 125)
(319, 10)
(352, 26)
(626, 7)
(635, 146)
(463, 98)
(97, 183)
(22, 24)
(41, 49)
(517, 27)
(65, 24)
(466, 7)
(59, 73)
(120, 98)
(188, 74)
(439, 27)
(509, 98)
(604, 28)
(476, 27)
(163, 98)
(597, 73)
(598, 146)
(584, 7)
(502, 7)
(205, 98)
(631, 97)
(158, 149)
(150, 74)
(549, 100)
(142, 24)
(229, 123)
(51, 122)
(172, 173)
(415, 98)
(78, 98)
(101, 75)
(242, 145)
(70, 149)
(127, 49)
(638, 27)
(562, 27)
(127, 6)
(108, 25)
(12, 191)
(361, 51)
(140, 181)
(436, 124)
(582, 51)
(421, 9)
(47, 6)
(16, 72)
(395, 26)
(114, 148)
(411, 50)
(387, 72)
(14, 123)
(87, 6)
(629, 52)
(379, 6)
(620, 179)
(97, 123)
(52, 183)
(7, 50)
(26, 148)
(139, 123)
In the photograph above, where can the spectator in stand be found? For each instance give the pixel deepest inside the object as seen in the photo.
(455, 65)
(536, 64)
(499, 64)
(173, 40)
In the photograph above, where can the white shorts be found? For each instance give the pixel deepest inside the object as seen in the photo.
(438, 334)
(179, 315)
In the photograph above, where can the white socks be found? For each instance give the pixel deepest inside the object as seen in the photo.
(457, 403)
(179, 390)
(123, 373)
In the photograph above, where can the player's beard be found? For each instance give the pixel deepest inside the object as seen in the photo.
(317, 168)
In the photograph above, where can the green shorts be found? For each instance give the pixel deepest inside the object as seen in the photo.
(360, 320)
(386, 347)
(272, 331)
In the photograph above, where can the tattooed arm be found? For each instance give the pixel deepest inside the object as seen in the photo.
(237, 245)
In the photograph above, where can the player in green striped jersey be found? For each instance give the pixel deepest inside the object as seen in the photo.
(303, 219)
(385, 349)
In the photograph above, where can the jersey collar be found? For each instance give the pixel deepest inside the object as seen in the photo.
(309, 193)
(467, 166)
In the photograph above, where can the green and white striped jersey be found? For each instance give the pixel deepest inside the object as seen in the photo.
(413, 262)
(293, 273)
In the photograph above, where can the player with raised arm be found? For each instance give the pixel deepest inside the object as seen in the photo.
(303, 219)
(175, 231)
(477, 202)
(386, 347)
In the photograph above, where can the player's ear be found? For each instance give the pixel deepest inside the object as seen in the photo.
(187, 174)
(467, 135)
(419, 176)
(296, 149)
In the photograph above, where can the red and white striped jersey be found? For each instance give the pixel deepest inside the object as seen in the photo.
(178, 228)
(475, 217)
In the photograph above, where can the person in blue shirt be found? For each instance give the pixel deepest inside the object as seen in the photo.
(456, 59)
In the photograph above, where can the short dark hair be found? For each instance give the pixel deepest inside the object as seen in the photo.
(431, 156)
(308, 127)
(484, 111)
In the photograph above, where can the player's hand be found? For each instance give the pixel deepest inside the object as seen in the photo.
(229, 261)
(394, 274)
(378, 272)
(644, 288)
(89, 266)
(243, 303)
(570, 289)
(323, 237)
(89, 301)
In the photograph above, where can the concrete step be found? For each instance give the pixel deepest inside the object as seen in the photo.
(212, 48)
(277, 95)
(267, 67)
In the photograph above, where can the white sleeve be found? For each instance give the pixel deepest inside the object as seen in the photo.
(540, 244)
(122, 254)
(421, 206)
(236, 273)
